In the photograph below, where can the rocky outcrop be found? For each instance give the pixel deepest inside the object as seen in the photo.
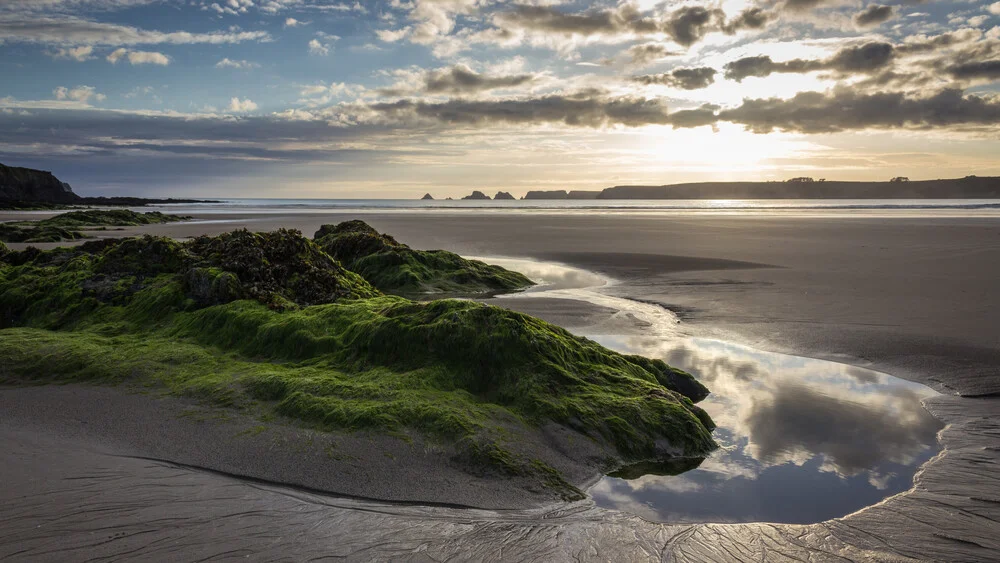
(546, 194)
(503, 196)
(477, 195)
(427, 197)
(394, 267)
(583, 194)
(26, 184)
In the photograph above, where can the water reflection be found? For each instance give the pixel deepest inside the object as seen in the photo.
(802, 440)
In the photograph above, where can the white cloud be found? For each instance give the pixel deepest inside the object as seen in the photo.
(75, 31)
(82, 53)
(138, 57)
(292, 22)
(391, 36)
(229, 63)
(994, 8)
(237, 105)
(82, 94)
(317, 48)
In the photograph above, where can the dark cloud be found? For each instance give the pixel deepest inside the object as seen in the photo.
(582, 110)
(874, 14)
(848, 109)
(648, 52)
(686, 25)
(866, 58)
(460, 79)
(684, 78)
(989, 70)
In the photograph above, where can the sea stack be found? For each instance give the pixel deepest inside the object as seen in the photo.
(427, 196)
(503, 195)
(477, 195)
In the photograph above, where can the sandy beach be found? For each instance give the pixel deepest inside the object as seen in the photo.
(913, 297)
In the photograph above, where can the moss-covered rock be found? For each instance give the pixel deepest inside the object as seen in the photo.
(269, 319)
(394, 267)
(15, 232)
(67, 226)
(109, 218)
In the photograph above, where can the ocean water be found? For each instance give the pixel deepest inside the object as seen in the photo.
(763, 206)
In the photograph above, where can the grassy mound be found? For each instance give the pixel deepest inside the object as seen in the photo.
(396, 268)
(271, 322)
(108, 218)
(67, 226)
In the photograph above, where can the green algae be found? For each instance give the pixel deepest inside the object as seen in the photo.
(270, 321)
(10, 232)
(396, 268)
(108, 218)
(67, 226)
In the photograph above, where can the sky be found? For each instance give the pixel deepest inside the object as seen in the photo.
(395, 98)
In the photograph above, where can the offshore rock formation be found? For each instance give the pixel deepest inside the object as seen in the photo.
(477, 195)
(29, 185)
(427, 197)
(396, 268)
(503, 195)
(270, 323)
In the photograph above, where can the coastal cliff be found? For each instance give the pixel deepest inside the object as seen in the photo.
(562, 194)
(973, 187)
(26, 184)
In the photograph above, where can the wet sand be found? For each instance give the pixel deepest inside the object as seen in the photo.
(908, 296)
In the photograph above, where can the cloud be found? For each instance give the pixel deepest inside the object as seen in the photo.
(843, 109)
(82, 53)
(641, 55)
(847, 109)
(241, 64)
(72, 30)
(686, 25)
(994, 8)
(138, 57)
(81, 94)
(874, 14)
(292, 22)
(317, 48)
(683, 78)
(237, 105)
(989, 70)
(865, 58)
(581, 110)
(458, 79)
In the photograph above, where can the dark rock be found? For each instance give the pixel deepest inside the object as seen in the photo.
(427, 197)
(546, 194)
(503, 195)
(477, 195)
(26, 184)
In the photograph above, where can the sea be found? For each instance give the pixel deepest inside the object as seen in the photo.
(919, 207)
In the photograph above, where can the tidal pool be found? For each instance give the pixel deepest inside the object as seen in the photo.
(802, 440)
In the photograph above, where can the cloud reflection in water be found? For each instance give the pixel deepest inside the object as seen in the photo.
(802, 440)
